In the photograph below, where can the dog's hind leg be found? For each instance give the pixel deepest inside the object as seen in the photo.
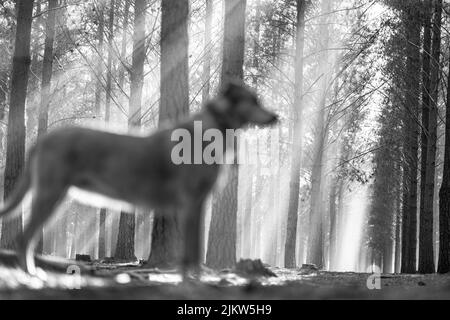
(192, 238)
(43, 205)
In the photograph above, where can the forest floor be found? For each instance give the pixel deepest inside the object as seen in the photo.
(132, 281)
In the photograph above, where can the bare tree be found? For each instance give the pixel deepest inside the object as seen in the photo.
(222, 232)
(444, 196)
(411, 20)
(15, 150)
(103, 212)
(426, 255)
(174, 106)
(294, 184)
(125, 239)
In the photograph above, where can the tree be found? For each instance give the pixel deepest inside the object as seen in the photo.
(316, 216)
(102, 220)
(426, 256)
(47, 70)
(208, 51)
(411, 19)
(426, 91)
(444, 196)
(15, 151)
(125, 239)
(294, 184)
(174, 105)
(222, 232)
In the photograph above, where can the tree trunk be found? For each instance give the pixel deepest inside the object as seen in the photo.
(333, 223)
(426, 256)
(47, 68)
(294, 183)
(221, 251)
(397, 236)
(413, 30)
(99, 68)
(444, 196)
(248, 221)
(123, 50)
(125, 239)
(15, 151)
(174, 105)
(103, 211)
(315, 243)
(426, 86)
(208, 51)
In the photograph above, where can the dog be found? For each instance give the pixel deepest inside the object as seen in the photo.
(136, 170)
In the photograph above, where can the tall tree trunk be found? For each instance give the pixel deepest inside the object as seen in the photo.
(206, 77)
(444, 196)
(221, 251)
(99, 68)
(97, 107)
(174, 105)
(398, 242)
(15, 151)
(296, 156)
(123, 50)
(426, 94)
(103, 211)
(412, 26)
(315, 242)
(208, 51)
(127, 223)
(333, 223)
(426, 255)
(47, 68)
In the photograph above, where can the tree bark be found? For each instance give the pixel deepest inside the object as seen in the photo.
(221, 251)
(208, 51)
(426, 255)
(99, 68)
(15, 151)
(315, 242)
(296, 156)
(444, 196)
(174, 105)
(127, 223)
(412, 26)
(47, 68)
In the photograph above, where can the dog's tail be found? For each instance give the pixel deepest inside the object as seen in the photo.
(17, 194)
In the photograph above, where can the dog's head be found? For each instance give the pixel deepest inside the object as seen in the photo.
(237, 106)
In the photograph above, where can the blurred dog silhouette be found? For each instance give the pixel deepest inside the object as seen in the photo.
(137, 170)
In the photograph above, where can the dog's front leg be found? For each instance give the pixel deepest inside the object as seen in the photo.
(192, 228)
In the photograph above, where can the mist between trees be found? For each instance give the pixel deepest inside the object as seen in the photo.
(356, 174)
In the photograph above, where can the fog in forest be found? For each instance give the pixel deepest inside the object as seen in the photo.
(351, 178)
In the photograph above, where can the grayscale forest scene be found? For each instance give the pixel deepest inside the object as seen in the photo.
(341, 111)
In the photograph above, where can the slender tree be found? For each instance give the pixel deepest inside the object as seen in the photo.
(411, 19)
(125, 239)
(426, 255)
(15, 150)
(426, 60)
(102, 220)
(174, 105)
(444, 196)
(47, 70)
(294, 184)
(222, 232)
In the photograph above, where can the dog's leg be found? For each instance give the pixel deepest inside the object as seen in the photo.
(192, 237)
(43, 204)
